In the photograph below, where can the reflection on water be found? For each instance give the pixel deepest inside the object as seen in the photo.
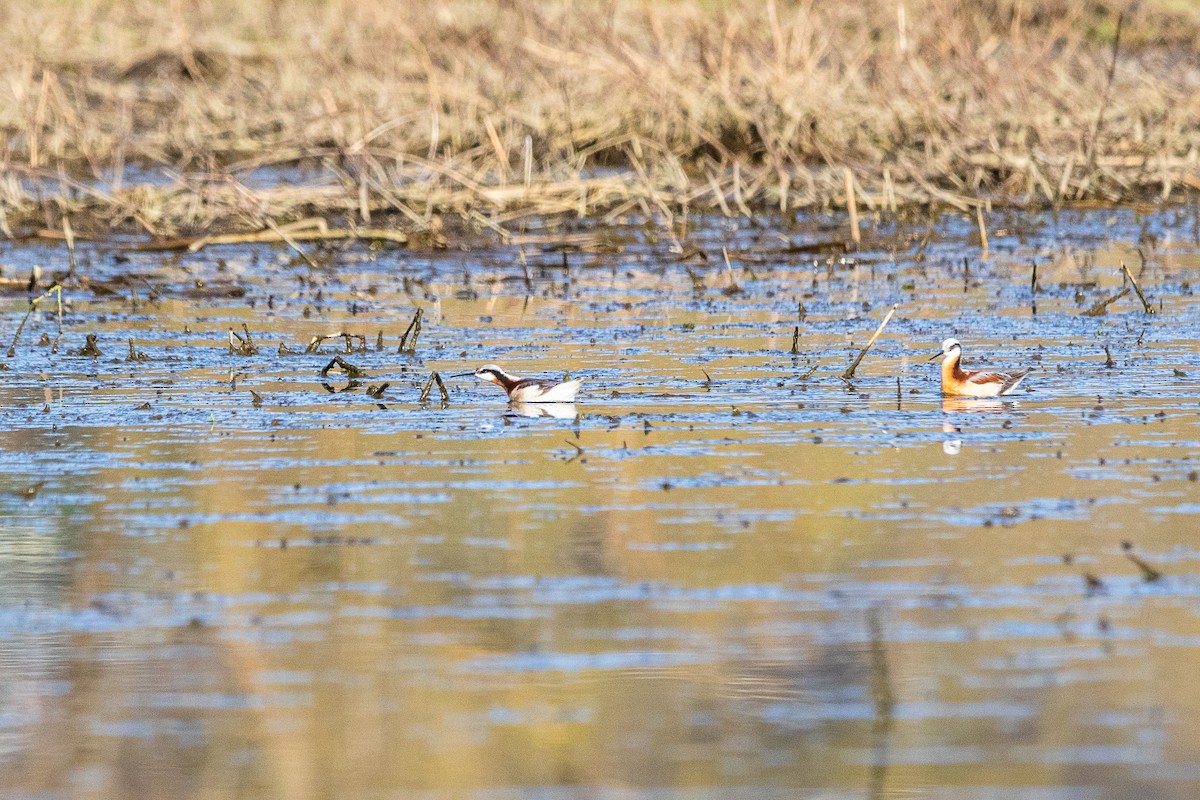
(952, 444)
(975, 405)
(556, 410)
(718, 576)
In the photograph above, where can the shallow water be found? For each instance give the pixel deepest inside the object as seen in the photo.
(760, 583)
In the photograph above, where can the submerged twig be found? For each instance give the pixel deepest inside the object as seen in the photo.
(1149, 573)
(33, 304)
(733, 287)
(524, 271)
(578, 450)
(882, 694)
(849, 373)
(983, 240)
(1145, 305)
(69, 235)
(414, 328)
(242, 345)
(852, 205)
(1101, 307)
(315, 343)
(90, 348)
(136, 355)
(352, 372)
(434, 377)
(58, 336)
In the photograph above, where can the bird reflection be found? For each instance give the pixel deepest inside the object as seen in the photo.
(952, 445)
(556, 410)
(971, 405)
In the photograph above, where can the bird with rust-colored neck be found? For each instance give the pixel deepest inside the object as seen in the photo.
(959, 382)
(527, 390)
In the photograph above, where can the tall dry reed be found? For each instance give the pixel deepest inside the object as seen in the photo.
(497, 109)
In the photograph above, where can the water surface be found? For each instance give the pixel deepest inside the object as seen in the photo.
(725, 572)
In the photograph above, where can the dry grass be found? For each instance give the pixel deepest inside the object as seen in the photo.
(492, 111)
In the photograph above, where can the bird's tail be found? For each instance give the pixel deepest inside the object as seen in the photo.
(1013, 380)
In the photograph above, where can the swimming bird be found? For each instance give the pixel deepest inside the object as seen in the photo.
(956, 381)
(527, 390)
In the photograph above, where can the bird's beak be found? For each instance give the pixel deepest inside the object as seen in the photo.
(462, 375)
(938, 354)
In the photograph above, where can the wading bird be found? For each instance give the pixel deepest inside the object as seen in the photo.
(527, 390)
(956, 381)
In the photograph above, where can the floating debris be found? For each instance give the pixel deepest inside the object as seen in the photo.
(434, 377)
(135, 354)
(30, 492)
(414, 328)
(242, 345)
(315, 343)
(352, 372)
(90, 348)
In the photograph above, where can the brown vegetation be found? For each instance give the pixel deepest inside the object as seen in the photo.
(495, 110)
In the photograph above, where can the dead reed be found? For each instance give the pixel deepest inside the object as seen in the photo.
(140, 116)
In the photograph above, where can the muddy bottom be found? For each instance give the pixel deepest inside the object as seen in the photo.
(723, 572)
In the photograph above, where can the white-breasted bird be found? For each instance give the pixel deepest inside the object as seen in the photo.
(960, 382)
(527, 390)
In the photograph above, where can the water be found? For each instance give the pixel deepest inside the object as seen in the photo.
(717, 576)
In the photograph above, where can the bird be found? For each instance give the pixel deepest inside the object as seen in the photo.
(527, 390)
(956, 381)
